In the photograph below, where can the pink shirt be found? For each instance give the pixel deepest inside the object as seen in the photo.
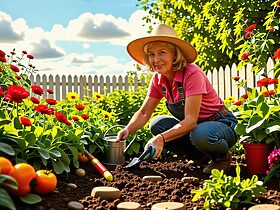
(195, 82)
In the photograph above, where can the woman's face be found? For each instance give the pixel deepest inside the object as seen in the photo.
(161, 57)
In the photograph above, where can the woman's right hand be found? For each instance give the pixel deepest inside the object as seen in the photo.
(122, 134)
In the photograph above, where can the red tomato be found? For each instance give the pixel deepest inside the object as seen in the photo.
(82, 158)
(46, 182)
(5, 165)
(24, 174)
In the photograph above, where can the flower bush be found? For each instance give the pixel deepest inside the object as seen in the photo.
(258, 109)
(274, 165)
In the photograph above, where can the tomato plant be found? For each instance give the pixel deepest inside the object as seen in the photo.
(5, 165)
(23, 173)
(46, 182)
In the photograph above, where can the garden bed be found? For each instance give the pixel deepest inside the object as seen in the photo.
(133, 188)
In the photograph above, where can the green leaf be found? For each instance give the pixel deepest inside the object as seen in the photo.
(7, 149)
(30, 138)
(8, 181)
(31, 198)
(17, 123)
(44, 153)
(254, 123)
(38, 131)
(6, 200)
(11, 130)
(5, 122)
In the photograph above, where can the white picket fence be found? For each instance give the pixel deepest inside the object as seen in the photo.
(221, 80)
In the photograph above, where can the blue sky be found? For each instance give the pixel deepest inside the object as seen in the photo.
(77, 37)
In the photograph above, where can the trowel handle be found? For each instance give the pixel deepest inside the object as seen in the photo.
(146, 154)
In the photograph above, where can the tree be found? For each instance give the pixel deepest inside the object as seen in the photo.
(215, 26)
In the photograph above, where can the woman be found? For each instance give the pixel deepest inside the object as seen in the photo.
(201, 126)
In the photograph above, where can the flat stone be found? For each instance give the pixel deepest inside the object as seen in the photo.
(75, 205)
(265, 207)
(152, 178)
(129, 206)
(80, 172)
(169, 206)
(107, 193)
(72, 185)
(190, 180)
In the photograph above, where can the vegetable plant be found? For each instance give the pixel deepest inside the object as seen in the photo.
(227, 191)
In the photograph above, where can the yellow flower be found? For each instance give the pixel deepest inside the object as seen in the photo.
(230, 99)
(72, 96)
(97, 96)
(106, 114)
(85, 102)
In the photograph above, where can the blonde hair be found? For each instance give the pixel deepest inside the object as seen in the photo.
(179, 63)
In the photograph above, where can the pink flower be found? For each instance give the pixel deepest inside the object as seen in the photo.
(248, 34)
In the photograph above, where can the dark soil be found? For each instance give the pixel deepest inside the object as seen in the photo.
(133, 188)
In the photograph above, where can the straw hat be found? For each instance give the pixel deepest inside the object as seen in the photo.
(165, 33)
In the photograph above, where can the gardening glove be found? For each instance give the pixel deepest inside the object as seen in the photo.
(157, 142)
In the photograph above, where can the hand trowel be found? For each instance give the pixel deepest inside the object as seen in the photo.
(147, 154)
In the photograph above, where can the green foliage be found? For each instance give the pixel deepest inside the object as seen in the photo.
(227, 191)
(214, 27)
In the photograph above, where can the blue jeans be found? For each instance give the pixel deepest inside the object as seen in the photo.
(208, 137)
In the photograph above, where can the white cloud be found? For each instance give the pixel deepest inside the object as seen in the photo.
(50, 58)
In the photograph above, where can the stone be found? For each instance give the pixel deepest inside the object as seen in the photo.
(80, 172)
(72, 185)
(265, 207)
(107, 193)
(190, 180)
(169, 206)
(129, 206)
(75, 205)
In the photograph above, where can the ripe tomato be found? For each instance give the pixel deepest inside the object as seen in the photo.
(24, 174)
(82, 158)
(5, 165)
(46, 182)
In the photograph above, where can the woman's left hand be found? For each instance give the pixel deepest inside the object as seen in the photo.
(157, 142)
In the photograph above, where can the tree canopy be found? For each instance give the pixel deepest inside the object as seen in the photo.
(215, 26)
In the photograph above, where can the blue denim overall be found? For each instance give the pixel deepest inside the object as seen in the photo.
(211, 137)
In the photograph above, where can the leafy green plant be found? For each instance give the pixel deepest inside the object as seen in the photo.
(227, 191)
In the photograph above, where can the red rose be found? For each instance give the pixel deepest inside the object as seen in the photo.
(80, 107)
(61, 117)
(238, 103)
(245, 96)
(16, 93)
(274, 81)
(51, 101)
(85, 116)
(3, 59)
(245, 56)
(264, 82)
(2, 54)
(75, 118)
(277, 54)
(43, 109)
(34, 100)
(14, 68)
(251, 27)
(50, 91)
(30, 56)
(37, 90)
(25, 121)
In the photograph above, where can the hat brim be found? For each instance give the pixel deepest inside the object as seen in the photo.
(136, 48)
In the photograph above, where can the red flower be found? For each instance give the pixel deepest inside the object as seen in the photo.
(68, 123)
(75, 118)
(271, 29)
(61, 117)
(80, 107)
(274, 81)
(50, 91)
(51, 101)
(277, 54)
(43, 109)
(37, 89)
(14, 68)
(248, 34)
(264, 82)
(18, 77)
(245, 96)
(238, 103)
(236, 78)
(85, 116)
(3, 59)
(24, 52)
(0, 69)
(30, 56)
(34, 100)
(268, 93)
(1, 91)
(251, 27)
(245, 56)
(2, 54)
(25, 121)
(16, 93)
(13, 53)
